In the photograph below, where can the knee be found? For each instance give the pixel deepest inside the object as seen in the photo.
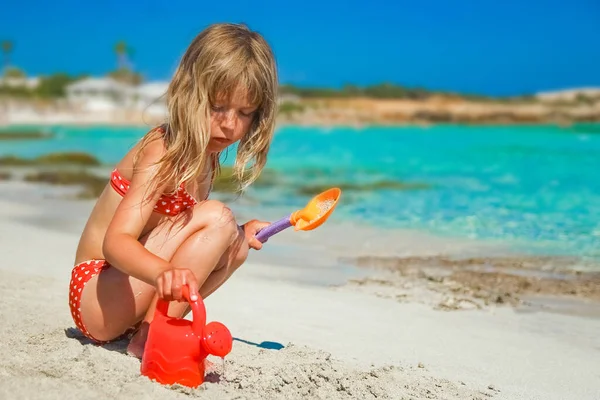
(240, 258)
(213, 214)
(241, 250)
(235, 256)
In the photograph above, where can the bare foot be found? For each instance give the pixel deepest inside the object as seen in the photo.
(138, 341)
(209, 366)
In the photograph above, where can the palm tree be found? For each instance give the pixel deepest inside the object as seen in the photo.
(7, 48)
(124, 71)
(121, 51)
(130, 54)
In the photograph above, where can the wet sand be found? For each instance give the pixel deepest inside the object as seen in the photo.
(519, 281)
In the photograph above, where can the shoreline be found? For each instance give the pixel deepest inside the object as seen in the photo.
(448, 273)
(328, 112)
(115, 124)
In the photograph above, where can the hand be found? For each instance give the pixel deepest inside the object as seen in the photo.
(170, 282)
(251, 228)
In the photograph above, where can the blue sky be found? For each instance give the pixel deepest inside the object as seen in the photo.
(481, 46)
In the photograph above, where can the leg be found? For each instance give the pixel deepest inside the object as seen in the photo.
(233, 258)
(113, 301)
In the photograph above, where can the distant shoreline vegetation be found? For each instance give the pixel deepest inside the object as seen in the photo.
(384, 104)
(49, 87)
(388, 90)
(54, 86)
(392, 104)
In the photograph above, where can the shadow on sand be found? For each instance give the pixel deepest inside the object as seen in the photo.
(262, 345)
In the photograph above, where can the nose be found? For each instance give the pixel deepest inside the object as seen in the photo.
(228, 120)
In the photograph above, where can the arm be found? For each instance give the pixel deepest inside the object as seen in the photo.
(121, 246)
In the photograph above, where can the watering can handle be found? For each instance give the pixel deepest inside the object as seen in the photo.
(274, 228)
(198, 310)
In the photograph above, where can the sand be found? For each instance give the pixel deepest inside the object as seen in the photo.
(296, 336)
(44, 357)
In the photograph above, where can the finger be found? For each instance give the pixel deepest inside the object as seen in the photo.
(185, 282)
(159, 287)
(254, 243)
(263, 224)
(190, 281)
(167, 283)
(192, 284)
(257, 226)
(176, 285)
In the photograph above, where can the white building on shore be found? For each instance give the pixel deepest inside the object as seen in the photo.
(108, 95)
(151, 98)
(14, 82)
(569, 94)
(97, 94)
(108, 98)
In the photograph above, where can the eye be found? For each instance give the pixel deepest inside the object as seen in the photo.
(216, 108)
(248, 115)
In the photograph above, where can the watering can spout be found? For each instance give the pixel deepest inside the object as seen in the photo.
(217, 339)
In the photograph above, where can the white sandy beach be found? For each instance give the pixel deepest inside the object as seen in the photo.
(337, 342)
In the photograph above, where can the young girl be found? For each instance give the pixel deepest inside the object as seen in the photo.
(152, 229)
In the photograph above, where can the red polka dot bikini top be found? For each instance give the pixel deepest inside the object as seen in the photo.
(166, 204)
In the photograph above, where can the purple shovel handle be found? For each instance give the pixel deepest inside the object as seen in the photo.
(274, 228)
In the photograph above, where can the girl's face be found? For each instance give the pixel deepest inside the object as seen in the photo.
(230, 120)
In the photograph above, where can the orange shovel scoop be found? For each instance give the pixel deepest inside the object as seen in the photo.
(318, 209)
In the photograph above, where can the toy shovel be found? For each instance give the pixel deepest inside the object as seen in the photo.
(318, 209)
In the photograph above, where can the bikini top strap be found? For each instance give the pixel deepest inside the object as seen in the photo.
(118, 183)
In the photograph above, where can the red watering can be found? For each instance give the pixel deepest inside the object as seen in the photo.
(176, 347)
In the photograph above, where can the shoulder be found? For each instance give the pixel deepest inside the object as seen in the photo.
(151, 148)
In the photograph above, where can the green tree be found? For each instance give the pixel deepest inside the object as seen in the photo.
(7, 49)
(351, 90)
(130, 55)
(54, 86)
(121, 52)
(14, 72)
(125, 75)
(124, 72)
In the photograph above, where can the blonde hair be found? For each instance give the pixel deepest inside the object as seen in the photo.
(220, 60)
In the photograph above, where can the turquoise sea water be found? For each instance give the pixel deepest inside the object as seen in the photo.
(538, 187)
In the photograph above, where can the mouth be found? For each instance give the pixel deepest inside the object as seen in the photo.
(221, 140)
